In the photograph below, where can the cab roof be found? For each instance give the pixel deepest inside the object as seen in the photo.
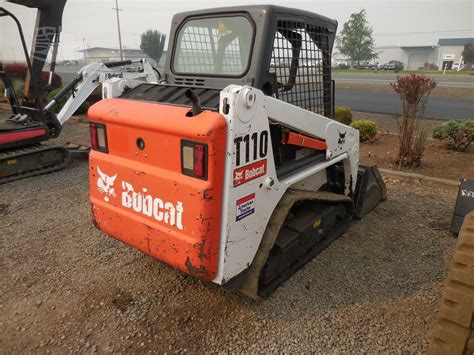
(267, 11)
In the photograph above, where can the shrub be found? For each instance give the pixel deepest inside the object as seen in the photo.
(367, 129)
(59, 104)
(18, 71)
(458, 135)
(18, 85)
(414, 91)
(344, 115)
(430, 66)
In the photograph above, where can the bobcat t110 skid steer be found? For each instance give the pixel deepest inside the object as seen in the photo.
(232, 169)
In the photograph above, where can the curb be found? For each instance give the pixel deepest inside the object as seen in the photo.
(422, 179)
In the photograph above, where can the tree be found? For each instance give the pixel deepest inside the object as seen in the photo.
(468, 55)
(153, 44)
(355, 39)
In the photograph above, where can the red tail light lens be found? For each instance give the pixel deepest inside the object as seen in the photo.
(94, 143)
(199, 167)
(99, 137)
(194, 159)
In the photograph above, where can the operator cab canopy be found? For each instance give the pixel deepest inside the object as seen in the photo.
(261, 45)
(284, 52)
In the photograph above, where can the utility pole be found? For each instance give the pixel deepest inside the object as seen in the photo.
(116, 8)
(85, 49)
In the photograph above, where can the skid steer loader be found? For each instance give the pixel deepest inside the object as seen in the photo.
(232, 169)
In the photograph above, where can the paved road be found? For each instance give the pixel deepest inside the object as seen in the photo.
(389, 103)
(439, 107)
(386, 103)
(462, 81)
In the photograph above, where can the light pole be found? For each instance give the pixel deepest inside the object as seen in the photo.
(116, 8)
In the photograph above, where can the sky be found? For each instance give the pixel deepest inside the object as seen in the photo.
(88, 23)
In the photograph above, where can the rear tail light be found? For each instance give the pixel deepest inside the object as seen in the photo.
(99, 137)
(194, 159)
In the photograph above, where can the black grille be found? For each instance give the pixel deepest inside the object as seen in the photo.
(174, 95)
(301, 60)
(189, 81)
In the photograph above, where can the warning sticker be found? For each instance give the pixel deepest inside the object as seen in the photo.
(245, 207)
(250, 172)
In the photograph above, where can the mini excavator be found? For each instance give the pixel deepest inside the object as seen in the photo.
(23, 152)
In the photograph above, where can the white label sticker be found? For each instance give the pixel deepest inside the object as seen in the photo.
(245, 207)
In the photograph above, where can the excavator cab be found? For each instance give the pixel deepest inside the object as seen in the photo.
(231, 169)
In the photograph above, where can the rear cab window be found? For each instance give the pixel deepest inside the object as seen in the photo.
(219, 46)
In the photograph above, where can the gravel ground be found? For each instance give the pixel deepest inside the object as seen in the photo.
(69, 288)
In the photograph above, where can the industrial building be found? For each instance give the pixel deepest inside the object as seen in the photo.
(436, 56)
(102, 54)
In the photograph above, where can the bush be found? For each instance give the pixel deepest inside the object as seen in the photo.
(344, 115)
(458, 135)
(367, 129)
(414, 91)
(18, 71)
(59, 105)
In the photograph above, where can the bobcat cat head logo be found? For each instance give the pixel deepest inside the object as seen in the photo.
(238, 175)
(342, 138)
(105, 184)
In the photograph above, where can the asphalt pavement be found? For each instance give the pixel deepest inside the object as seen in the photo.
(384, 103)
(438, 107)
(389, 103)
(461, 81)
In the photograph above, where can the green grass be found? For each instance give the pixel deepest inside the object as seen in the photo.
(427, 72)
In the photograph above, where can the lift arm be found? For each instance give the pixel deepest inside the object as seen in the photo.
(92, 75)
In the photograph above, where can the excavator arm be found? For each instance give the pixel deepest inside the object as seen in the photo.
(114, 82)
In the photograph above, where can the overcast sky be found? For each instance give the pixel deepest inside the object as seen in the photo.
(93, 23)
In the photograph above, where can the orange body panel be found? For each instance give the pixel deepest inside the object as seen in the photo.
(141, 197)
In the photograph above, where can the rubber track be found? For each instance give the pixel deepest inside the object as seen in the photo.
(248, 281)
(454, 330)
(334, 233)
(33, 149)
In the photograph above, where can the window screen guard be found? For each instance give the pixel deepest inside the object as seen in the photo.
(214, 46)
(301, 61)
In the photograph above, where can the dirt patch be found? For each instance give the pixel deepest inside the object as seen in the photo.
(388, 123)
(3, 209)
(437, 161)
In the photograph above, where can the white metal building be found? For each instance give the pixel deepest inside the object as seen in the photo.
(417, 57)
(445, 53)
(102, 54)
(450, 51)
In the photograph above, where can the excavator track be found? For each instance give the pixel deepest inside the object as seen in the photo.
(454, 330)
(33, 160)
(301, 226)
